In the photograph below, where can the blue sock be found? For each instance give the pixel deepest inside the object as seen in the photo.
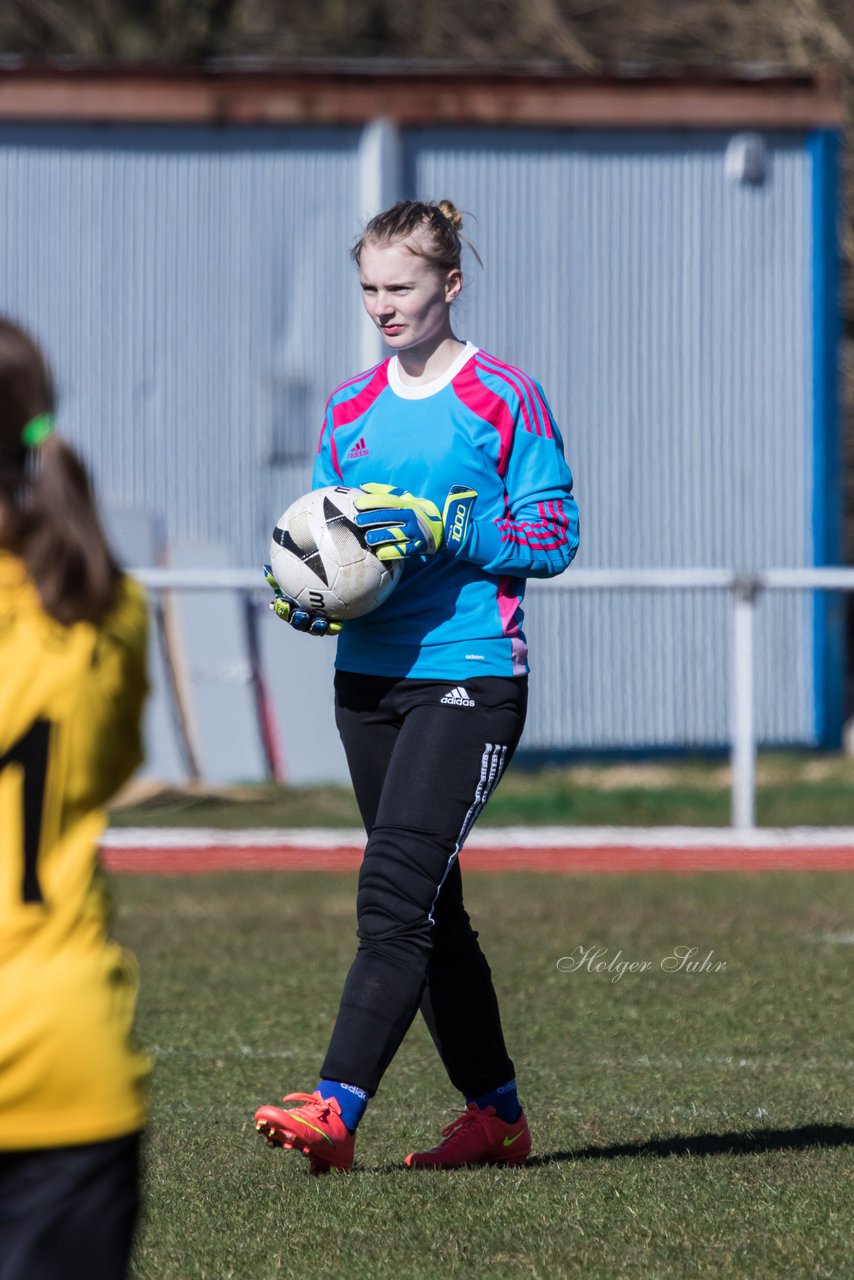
(504, 1099)
(352, 1100)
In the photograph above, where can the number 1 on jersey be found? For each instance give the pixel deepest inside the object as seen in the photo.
(31, 753)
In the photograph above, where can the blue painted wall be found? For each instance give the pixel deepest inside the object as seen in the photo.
(828, 609)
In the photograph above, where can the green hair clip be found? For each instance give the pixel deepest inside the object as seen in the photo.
(37, 430)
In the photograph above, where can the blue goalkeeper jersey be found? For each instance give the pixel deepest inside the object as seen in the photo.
(483, 424)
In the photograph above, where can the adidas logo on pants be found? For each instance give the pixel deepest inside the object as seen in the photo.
(458, 698)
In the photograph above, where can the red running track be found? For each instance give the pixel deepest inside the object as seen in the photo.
(615, 860)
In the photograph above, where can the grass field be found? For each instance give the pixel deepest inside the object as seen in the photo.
(685, 1124)
(793, 790)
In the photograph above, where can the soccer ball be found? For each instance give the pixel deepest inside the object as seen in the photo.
(320, 558)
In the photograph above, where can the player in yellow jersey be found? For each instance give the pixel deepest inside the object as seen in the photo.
(72, 685)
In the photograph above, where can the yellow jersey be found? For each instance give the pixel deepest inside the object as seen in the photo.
(70, 736)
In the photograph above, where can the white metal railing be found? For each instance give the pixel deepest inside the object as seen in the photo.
(744, 587)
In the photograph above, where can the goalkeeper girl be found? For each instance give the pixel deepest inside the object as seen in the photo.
(72, 658)
(463, 477)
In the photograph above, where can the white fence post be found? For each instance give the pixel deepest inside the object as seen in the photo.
(743, 732)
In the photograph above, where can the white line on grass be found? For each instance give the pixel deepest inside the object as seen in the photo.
(644, 1060)
(492, 838)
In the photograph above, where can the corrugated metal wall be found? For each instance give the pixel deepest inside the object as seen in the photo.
(666, 310)
(194, 290)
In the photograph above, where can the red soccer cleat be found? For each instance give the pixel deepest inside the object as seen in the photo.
(477, 1136)
(315, 1128)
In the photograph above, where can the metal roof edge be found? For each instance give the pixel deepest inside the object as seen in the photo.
(249, 92)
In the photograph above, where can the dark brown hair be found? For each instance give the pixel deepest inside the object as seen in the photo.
(47, 512)
(442, 222)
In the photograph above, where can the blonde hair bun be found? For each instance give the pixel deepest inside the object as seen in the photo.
(440, 224)
(452, 213)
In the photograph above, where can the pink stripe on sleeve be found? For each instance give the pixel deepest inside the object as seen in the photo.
(333, 454)
(333, 448)
(349, 410)
(323, 428)
(532, 401)
(488, 365)
(546, 534)
(473, 392)
(359, 377)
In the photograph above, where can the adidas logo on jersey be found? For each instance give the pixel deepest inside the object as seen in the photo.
(458, 698)
(359, 450)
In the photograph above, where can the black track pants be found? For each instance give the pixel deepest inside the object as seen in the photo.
(424, 757)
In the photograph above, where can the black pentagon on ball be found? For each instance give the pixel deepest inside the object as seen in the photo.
(308, 554)
(343, 531)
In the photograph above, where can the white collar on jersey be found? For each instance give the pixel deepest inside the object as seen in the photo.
(424, 389)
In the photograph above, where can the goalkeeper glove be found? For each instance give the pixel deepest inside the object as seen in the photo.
(301, 619)
(400, 525)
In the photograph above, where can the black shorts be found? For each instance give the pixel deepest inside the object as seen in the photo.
(68, 1213)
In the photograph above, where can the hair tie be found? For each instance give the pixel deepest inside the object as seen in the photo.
(37, 430)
